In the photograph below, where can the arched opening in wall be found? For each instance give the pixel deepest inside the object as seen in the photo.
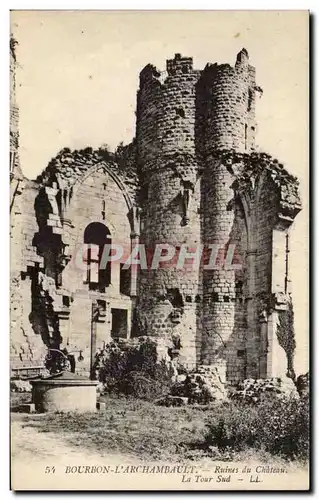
(97, 276)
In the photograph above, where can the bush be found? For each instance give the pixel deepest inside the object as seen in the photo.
(280, 427)
(232, 429)
(133, 370)
(285, 427)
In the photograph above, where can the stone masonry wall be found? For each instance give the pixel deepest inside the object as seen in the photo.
(98, 193)
(224, 112)
(226, 107)
(224, 308)
(266, 218)
(26, 347)
(170, 198)
(94, 193)
(262, 186)
(96, 199)
(48, 219)
(186, 122)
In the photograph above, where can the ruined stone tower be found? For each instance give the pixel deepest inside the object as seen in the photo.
(192, 181)
(195, 143)
(170, 199)
(226, 124)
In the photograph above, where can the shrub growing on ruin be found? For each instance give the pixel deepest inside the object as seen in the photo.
(133, 370)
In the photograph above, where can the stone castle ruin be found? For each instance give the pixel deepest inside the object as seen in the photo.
(191, 176)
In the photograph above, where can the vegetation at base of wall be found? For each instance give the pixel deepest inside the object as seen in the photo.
(134, 371)
(280, 427)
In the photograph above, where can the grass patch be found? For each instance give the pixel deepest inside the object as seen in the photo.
(128, 426)
(139, 429)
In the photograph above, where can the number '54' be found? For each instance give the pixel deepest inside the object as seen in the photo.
(49, 470)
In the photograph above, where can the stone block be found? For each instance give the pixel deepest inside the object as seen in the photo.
(100, 406)
(172, 401)
(27, 408)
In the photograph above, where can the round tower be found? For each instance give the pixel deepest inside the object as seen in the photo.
(170, 197)
(228, 124)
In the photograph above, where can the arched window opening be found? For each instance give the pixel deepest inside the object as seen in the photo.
(96, 236)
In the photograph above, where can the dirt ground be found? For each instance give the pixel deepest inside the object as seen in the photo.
(30, 446)
(39, 460)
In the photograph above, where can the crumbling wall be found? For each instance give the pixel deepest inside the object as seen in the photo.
(48, 220)
(271, 199)
(26, 346)
(97, 199)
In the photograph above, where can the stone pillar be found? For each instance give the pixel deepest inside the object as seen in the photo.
(252, 346)
(279, 264)
(277, 360)
(134, 268)
(276, 356)
(103, 327)
(219, 292)
(129, 322)
(115, 276)
(264, 348)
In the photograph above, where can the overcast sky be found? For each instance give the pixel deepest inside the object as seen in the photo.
(78, 77)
